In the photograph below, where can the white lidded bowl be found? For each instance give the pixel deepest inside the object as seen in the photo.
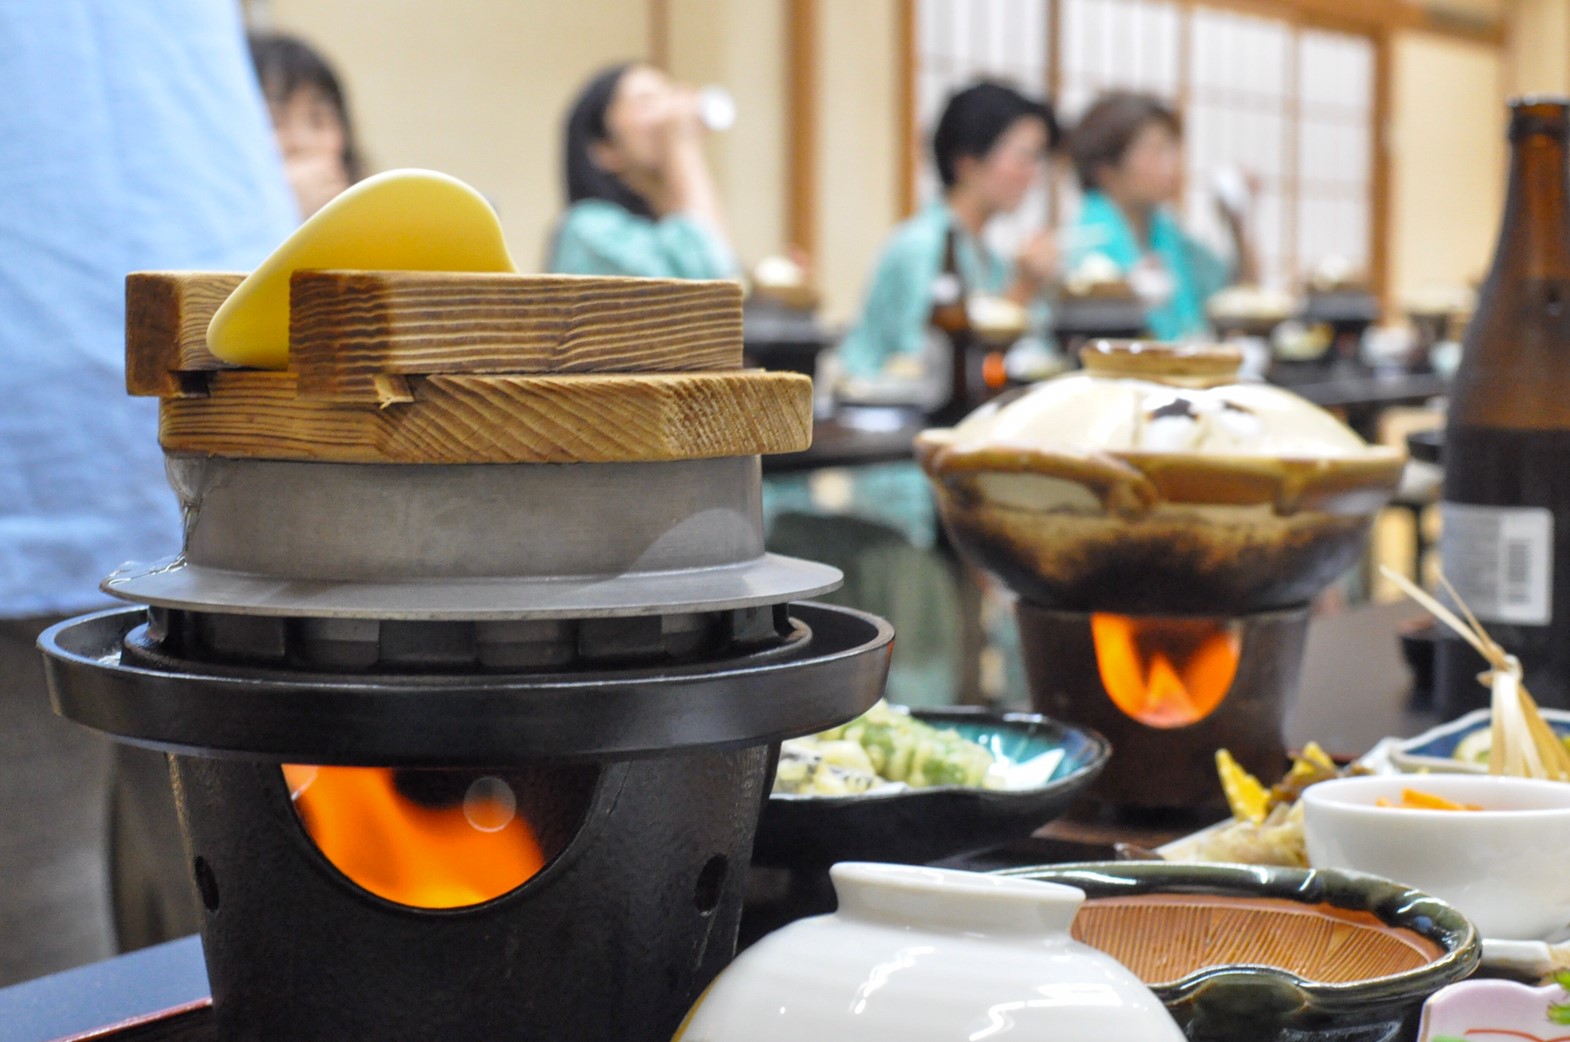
(930, 955)
(1507, 867)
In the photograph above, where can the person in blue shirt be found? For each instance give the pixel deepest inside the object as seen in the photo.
(640, 197)
(136, 138)
(990, 147)
(1126, 153)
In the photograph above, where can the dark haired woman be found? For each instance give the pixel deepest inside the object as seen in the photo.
(640, 198)
(1127, 157)
(310, 118)
(990, 146)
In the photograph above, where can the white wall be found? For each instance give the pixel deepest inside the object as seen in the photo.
(475, 88)
(1447, 160)
(1538, 50)
(740, 44)
(858, 145)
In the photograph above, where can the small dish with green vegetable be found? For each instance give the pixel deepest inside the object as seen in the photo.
(942, 782)
(1460, 746)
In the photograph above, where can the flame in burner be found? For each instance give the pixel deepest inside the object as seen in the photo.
(422, 853)
(1165, 672)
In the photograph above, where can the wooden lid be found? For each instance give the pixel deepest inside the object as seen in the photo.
(453, 367)
(1189, 363)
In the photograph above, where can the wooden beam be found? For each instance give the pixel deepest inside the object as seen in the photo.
(660, 34)
(1185, 92)
(347, 327)
(801, 124)
(258, 414)
(1291, 160)
(166, 317)
(1368, 16)
(1055, 96)
(1382, 205)
(907, 63)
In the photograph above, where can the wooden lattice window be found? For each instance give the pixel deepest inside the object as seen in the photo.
(1292, 104)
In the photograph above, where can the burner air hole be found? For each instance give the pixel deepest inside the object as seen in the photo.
(206, 883)
(711, 883)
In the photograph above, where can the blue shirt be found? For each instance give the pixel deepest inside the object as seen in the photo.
(1196, 273)
(597, 237)
(135, 138)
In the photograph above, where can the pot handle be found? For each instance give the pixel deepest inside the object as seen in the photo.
(1122, 489)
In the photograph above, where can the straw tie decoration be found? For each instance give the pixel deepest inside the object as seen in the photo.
(1522, 744)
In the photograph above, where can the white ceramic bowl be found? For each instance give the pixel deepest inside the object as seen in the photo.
(930, 955)
(1507, 867)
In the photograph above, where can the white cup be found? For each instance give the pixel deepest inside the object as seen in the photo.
(716, 108)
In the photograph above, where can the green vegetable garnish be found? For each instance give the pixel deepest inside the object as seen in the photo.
(904, 749)
(1559, 1012)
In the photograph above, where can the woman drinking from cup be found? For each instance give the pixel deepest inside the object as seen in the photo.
(640, 197)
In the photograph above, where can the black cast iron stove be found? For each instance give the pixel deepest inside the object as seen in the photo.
(564, 666)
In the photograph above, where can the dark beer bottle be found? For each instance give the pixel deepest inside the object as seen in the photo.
(950, 329)
(1506, 539)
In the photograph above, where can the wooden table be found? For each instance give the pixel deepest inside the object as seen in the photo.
(783, 339)
(855, 437)
(1354, 691)
(1361, 394)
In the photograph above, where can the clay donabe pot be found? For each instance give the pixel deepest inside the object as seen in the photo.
(1154, 482)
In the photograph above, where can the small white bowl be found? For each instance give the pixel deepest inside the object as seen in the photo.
(930, 955)
(1507, 867)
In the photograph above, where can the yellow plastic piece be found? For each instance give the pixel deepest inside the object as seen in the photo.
(401, 220)
(1245, 795)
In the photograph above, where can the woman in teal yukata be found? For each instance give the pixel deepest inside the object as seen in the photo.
(990, 147)
(640, 197)
(1126, 153)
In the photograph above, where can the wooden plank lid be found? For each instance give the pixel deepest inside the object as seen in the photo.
(455, 367)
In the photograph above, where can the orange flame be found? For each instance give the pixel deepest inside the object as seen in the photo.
(1165, 672)
(426, 857)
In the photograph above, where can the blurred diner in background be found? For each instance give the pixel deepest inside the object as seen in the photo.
(931, 206)
(641, 200)
(309, 109)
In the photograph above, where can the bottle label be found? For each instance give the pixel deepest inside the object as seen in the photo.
(937, 377)
(946, 289)
(1501, 561)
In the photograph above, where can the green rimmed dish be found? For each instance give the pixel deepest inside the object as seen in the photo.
(917, 826)
(1262, 954)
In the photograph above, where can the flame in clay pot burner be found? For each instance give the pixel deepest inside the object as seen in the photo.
(1165, 672)
(428, 839)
